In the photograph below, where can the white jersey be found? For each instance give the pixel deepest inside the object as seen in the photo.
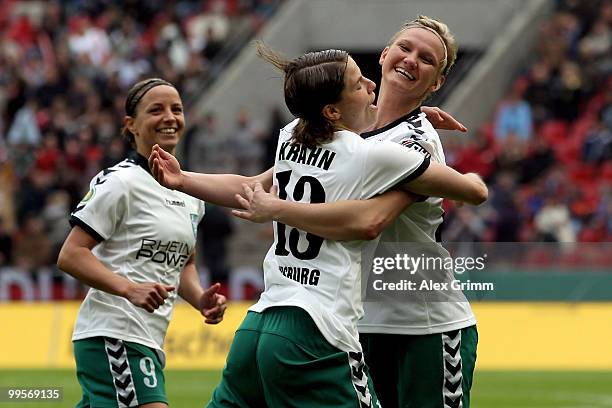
(323, 276)
(146, 233)
(419, 223)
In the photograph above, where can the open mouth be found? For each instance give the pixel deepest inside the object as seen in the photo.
(167, 131)
(405, 73)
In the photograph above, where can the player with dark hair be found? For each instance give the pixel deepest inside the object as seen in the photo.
(133, 242)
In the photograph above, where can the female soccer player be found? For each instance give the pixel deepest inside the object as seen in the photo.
(133, 242)
(298, 346)
(420, 353)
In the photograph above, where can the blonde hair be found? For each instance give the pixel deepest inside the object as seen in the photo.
(441, 31)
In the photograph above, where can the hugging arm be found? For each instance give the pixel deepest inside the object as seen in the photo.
(340, 220)
(440, 180)
(356, 219)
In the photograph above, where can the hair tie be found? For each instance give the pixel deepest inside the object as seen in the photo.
(133, 99)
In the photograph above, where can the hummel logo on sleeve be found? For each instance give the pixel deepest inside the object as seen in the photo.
(175, 203)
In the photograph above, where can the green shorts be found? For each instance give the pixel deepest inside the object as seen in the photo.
(116, 373)
(279, 358)
(427, 371)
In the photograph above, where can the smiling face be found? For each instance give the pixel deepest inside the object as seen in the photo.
(158, 119)
(413, 63)
(355, 108)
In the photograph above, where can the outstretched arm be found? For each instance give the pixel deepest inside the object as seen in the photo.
(219, 189)
(340, 220)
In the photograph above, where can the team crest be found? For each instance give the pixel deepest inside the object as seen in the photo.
(89, 195)
(194, 224)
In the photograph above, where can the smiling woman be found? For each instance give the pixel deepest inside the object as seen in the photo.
(133, 242)
(154, 115)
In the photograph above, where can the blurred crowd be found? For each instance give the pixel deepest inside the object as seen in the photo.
(65, 66)
(546, 155)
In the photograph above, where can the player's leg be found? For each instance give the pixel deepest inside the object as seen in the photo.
(93, 378)
(299, 368)
(380, 352)
(117, 373)
(433, 370)
(421, 371)
(469, 344)
(240, 384)
(147, 373)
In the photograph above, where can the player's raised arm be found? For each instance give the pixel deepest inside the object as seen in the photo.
(218, 189)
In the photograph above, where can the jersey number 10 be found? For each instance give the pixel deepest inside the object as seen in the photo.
(317, 195)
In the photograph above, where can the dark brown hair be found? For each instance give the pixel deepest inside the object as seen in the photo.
(134, 95)
(312, 81)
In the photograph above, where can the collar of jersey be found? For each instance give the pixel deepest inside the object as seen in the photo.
(391, 125)
(140, 160)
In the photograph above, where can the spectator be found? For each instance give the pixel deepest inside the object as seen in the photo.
(208, 151)
(595, 47)
(538, 92)
(49, 155)
(507, 219)
(55, 216)
(567, 90)
(597, 147)
(247, 144)
(511, 152)
(32, 246)
(24, 129)
(553, 222)
(514, 115)
(32, 195)
(88, 41)
(538, 159)
(465, 226)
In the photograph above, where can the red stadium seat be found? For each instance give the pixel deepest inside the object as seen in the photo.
(605, 175)
(554, 132)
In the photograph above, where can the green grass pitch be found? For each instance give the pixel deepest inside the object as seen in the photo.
(492, 389)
